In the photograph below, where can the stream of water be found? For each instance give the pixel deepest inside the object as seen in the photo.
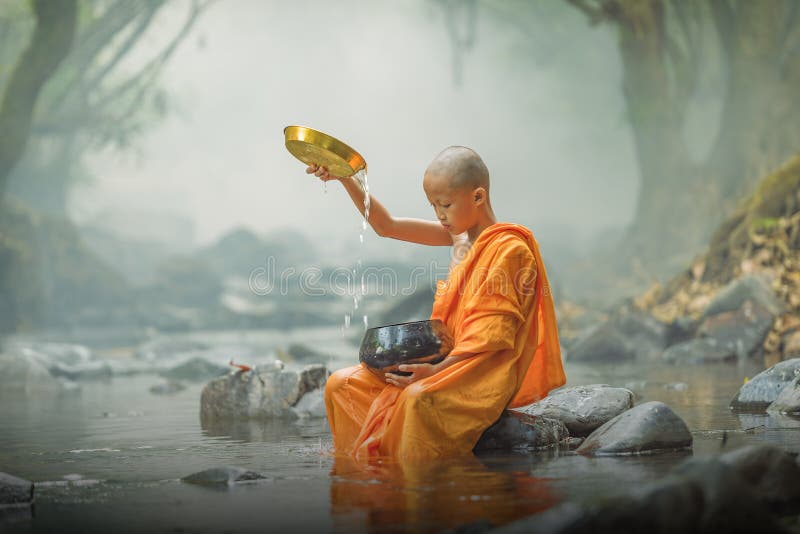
(111, 456)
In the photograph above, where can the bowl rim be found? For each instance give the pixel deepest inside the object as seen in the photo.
(406, 322)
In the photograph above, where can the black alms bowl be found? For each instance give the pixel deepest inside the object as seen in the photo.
(386, 347)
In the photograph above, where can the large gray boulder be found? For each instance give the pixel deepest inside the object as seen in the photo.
(628, 335)
(788, 400)
(262, 393)
(743, 330)
(647, 428)
(751, 288)
(15, 490)
(771, 473)
(762, 390)
(604, 343)
(519, 431)
(699, 495)
(582, 408)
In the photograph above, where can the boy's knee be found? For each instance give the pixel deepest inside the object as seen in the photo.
(338, 380)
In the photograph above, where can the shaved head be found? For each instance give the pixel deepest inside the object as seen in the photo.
(463, 166)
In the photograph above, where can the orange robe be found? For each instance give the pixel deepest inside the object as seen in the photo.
(497, 303)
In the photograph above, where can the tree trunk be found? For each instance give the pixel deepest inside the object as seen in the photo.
(760, 126)
(52, 38)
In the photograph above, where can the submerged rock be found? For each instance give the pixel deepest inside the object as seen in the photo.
(788, 400)
(223, 476)
(582, 408)
(195, 369)
(15, 490)
(261, 393)
(647, 428)
(762, 390)
(520, 431)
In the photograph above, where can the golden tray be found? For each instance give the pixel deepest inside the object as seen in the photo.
(313, 147)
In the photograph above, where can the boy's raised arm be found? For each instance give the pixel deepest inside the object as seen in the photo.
(402, 228)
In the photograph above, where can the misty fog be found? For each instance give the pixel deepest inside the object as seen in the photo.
(549, 122)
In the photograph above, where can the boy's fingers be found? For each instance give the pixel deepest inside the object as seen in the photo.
(398, 380)
(311, 169)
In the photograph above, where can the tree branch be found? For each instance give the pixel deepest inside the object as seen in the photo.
(724, 17)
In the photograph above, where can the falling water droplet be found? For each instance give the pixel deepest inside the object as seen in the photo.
(355, 302)
(347, 320)
(363, 285)
(361, 238)
(365, 322)
(324, 187)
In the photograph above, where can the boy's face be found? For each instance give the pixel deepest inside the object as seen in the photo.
(454, 207)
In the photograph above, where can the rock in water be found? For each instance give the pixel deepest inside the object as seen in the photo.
(647, 428)
(519, 431)
(699, 495)
(195, 369)
(698, 351)
(306, 354)
(602, 344)
(628, 335)
(582, 408)
(771, 473)
(788, 400)
(169, 387)
(763, 389)
(223, 476)
(15, 490)
(262, 393)
(24, 372)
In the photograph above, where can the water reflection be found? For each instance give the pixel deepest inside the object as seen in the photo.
(385, 495)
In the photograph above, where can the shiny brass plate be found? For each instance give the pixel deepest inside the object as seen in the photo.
(313, 147)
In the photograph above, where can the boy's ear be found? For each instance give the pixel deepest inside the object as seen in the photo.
(479, 195)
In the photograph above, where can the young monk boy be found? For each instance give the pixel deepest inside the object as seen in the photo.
(497, 304)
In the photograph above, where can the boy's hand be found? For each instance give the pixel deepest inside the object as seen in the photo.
(321, 173)
(418, 372)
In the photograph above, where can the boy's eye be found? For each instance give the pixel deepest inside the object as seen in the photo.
(445, 205)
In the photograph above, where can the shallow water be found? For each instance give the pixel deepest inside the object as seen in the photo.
(112, 455)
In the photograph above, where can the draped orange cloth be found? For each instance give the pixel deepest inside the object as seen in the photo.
(497, 303)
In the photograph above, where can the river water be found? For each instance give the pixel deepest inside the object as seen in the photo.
(111, 456)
